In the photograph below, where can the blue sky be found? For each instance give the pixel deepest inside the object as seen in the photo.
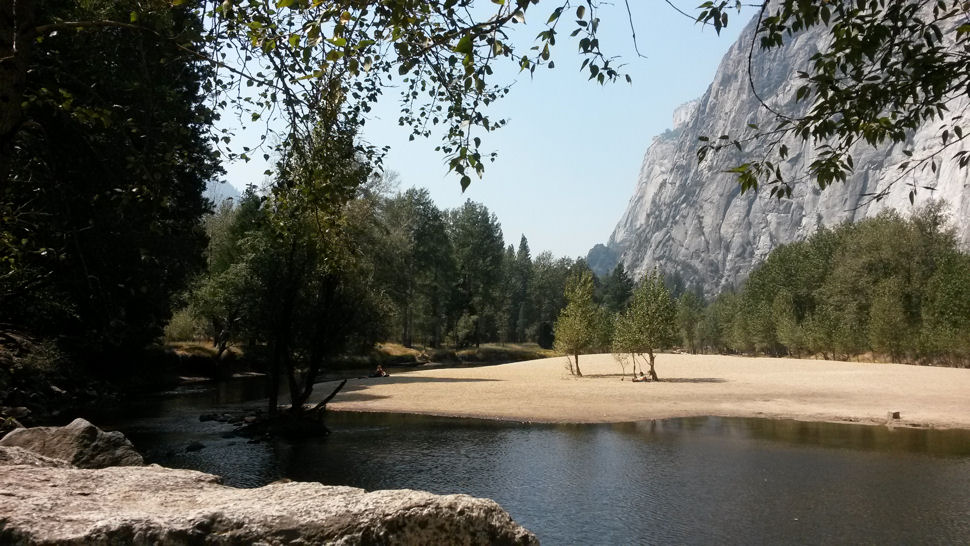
(571, 152)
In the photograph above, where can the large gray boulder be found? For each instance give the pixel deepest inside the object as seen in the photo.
(155, 505)
(79, 443)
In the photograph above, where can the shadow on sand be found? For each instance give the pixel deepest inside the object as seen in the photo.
(628, 377)
(693, 380)
(357, 390)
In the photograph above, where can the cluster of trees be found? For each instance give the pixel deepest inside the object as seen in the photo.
(284, 276)
(887, 286)
(438, 277)
(890, 286)
(634, 322)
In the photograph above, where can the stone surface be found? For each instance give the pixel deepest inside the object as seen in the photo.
(20, 456)
(155, 505)
(79, 443)
(691, 218)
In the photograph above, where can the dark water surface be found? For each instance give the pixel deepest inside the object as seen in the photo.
(677, 481)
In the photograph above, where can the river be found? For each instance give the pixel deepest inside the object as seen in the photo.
(684, 481)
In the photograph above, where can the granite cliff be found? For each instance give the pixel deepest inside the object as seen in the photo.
(690, 219)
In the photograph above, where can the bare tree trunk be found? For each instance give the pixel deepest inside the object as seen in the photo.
(653, 373)
(579, 373)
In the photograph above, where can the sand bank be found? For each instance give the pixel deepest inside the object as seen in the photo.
(691, 385)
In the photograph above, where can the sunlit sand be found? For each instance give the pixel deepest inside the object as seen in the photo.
(691, 385)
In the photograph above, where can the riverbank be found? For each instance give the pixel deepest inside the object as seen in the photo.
(690, 386)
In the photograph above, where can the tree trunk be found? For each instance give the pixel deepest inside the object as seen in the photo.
(16, 41)
(294, 383)
(221, 346)
(653, 373)
(274, 378)
(578, 372)
(299, 398)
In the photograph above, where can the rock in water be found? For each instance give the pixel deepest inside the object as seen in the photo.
(155, 505)
(690, 218)
(79, 443)
(46, 500)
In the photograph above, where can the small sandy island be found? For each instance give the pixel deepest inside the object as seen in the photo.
(691, 385)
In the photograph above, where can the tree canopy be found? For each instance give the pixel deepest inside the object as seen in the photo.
(890, 286)
(321, 65)
(647, 325)
(580, 326)
(304, 66)
(101, 192)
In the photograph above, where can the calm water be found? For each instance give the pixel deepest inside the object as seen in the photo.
(684, 481)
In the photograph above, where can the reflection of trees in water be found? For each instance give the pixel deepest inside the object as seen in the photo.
(803, 433)
(867, 437)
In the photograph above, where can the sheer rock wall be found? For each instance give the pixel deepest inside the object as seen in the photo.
(690, 218)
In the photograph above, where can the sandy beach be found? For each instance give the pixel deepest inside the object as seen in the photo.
(691, 385)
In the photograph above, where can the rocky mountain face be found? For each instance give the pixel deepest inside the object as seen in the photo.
(218, 191)
(690, 219)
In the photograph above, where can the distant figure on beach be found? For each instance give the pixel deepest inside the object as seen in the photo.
(379, 372)
(640, 379)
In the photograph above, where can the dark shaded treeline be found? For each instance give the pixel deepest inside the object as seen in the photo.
(101, 193)
(101, 204)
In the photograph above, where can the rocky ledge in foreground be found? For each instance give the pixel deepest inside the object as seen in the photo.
(48, 501)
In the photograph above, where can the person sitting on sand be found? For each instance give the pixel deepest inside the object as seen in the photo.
(379, 372)
(642, 378)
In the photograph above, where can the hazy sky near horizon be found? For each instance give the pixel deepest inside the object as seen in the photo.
(569, 158)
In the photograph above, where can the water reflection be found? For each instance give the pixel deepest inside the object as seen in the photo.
(703, 480)
(954, 443)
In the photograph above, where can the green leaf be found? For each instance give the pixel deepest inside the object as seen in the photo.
(555, 15)
(406, 67)
(464, 45)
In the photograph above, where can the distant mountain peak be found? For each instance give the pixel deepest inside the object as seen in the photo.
(218, 191)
